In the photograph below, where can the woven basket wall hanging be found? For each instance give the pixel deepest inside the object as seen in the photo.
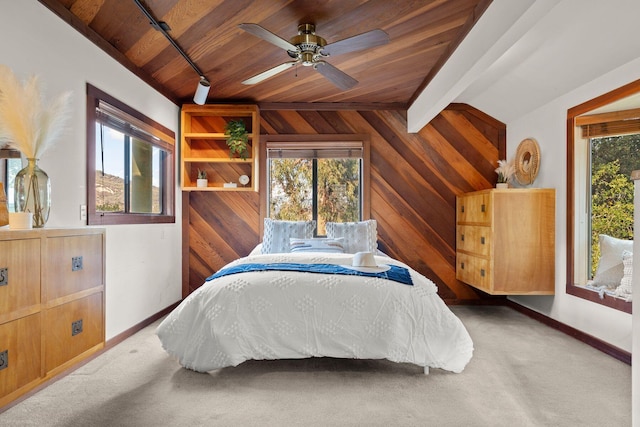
(527, 161)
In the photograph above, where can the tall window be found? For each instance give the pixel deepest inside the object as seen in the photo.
(613, 158)
(602, 148)
(130, 164)
(612, 142)
(316, 180)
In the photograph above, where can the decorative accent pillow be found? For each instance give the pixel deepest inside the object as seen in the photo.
(610, 268)
(277, 234)
(319, 244)
(626, 286)
(358, 236)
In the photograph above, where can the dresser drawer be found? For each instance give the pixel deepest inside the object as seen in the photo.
(19, 277)
(474, 238)
(72, 264)
(474, 208)
(72, 329)
(473, 270)
(20, 353)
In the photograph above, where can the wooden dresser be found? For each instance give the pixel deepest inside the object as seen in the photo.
(52, 284)
(505, 241)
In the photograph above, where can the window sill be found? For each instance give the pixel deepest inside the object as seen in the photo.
(606, 300)
(115, 219)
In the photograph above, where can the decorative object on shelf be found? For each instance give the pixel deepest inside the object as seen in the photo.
(238, 138)
(230, 185)
(243, 179)
(202, 181)
(30, 126)
(20, 220)
(505, 171)
(33, 192)
(527, 161)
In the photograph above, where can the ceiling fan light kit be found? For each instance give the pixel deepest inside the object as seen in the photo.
(310, 50)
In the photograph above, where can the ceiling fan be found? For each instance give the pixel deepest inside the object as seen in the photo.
(310, 50)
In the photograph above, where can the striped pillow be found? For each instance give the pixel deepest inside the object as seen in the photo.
(320, 244)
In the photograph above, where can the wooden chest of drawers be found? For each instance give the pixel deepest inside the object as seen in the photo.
(51, 304)
(505, 241)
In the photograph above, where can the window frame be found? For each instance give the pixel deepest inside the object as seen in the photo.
(573, 189)
(335, 140)
(167, 215)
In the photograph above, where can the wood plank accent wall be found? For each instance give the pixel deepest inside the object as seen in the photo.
(415, 179)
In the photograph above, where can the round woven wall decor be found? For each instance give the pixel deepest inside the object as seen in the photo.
(527, 161)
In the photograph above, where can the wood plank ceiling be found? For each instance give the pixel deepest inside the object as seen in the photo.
(423, 34)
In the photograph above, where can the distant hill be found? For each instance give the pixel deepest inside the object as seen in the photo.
(110, 194)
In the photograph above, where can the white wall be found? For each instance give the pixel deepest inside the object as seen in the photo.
(143, 262)
(548, 125)
(548, 68)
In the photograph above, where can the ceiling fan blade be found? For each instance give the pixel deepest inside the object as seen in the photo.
(361, 41)
(335, 76)
(267, 35)
(269, 73)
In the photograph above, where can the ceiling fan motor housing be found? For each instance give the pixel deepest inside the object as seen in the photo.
(308, 44)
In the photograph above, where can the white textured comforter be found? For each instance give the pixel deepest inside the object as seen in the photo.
(288, 315)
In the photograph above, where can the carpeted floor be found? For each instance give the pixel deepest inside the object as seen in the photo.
(522, 374)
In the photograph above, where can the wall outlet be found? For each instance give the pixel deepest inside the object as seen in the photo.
(83, 212)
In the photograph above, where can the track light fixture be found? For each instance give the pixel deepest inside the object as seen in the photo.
(202, 91)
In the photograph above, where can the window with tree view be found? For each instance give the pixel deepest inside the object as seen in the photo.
(322, 183)
(613, 158)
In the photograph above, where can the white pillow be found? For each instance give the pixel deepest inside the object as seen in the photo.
(319, 244)
(610, 268)
(358, 236)
(277, 234)
(626, 287)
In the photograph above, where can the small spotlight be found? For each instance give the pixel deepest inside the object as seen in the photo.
(202, 91)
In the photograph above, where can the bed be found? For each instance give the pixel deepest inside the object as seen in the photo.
(298, 297)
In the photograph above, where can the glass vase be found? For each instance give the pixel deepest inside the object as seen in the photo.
(33, 192)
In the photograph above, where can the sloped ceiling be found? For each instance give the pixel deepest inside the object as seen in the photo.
(423, 34)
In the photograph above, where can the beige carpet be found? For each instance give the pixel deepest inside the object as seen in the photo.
(522, 374)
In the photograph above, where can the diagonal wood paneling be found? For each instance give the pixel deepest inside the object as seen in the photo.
(415, 179)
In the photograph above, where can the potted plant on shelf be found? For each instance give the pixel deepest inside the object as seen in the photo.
(238, 139)
(202, 182)
(505, 171)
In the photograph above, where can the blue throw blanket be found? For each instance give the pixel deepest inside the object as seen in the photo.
(395, 273)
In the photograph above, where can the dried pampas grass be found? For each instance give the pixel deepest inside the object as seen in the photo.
(26, 123)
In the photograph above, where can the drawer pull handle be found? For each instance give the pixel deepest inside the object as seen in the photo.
(482, 240)
(462, 237)
(4, 276)
(76, 263)
(462, 266)
(4, 360)
(482, 272)
(483, 208)
(76, 327)
(462, 208)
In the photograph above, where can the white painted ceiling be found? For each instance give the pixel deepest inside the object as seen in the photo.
(533, 51)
